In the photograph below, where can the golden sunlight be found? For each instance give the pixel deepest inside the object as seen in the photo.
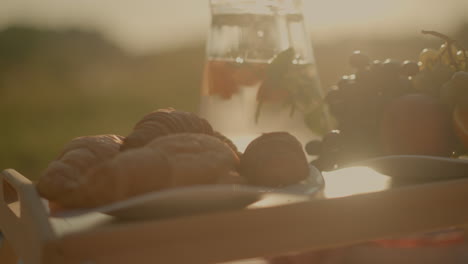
(354, 180)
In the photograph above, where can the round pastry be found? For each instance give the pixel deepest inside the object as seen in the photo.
(274, 159)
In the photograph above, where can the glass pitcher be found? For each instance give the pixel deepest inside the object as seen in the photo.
(260, 73)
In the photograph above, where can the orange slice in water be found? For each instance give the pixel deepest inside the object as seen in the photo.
(460, 121)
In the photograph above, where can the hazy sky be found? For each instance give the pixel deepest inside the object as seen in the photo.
(143, 25)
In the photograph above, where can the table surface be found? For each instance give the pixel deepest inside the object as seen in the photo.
(356, 205)
(339, 183)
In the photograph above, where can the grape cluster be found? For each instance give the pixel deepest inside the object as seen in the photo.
(358, 100)
(356, 103)
(444, 74)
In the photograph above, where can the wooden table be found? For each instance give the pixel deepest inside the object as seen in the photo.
(356, 206)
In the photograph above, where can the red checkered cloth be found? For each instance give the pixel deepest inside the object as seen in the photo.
(446, 237)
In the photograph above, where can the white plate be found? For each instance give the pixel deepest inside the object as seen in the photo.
(205, 198)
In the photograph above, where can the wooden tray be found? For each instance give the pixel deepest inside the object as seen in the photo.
(348, 213)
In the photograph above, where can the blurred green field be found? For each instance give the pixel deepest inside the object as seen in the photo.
(57, 85)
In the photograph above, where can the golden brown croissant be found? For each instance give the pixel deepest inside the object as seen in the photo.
(63, 175)
(171, 161)
(228, 142)
(164, 122)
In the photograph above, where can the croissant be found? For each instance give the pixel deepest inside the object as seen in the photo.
(228, 142)
(165, 122)
(274, 159)
(175, 160)
(63, 175)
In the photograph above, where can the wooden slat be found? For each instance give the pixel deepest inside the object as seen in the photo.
(234, 235)
(24, 222)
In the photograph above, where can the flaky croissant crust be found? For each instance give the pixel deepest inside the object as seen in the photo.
(63, 175)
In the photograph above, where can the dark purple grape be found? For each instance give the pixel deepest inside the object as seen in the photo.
(362, 76)
(447, 94)
(397, 87)
(335, 97)
(391, 68)
(313, 147)
(347, 86)
(359, 60)
(367, 82)
(405, 84)
(345, 82)
(330, 141)
(460, 80)
(409, 68)
(440, 74)
(326, 162)
(378, 73)
(459, 85)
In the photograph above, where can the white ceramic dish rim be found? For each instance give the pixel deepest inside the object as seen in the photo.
(312, 184)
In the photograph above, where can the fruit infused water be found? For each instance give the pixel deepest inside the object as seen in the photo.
(260, 73)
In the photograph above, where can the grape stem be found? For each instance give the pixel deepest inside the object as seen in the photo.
(439, 35)
(449, 42)
(444, 37)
